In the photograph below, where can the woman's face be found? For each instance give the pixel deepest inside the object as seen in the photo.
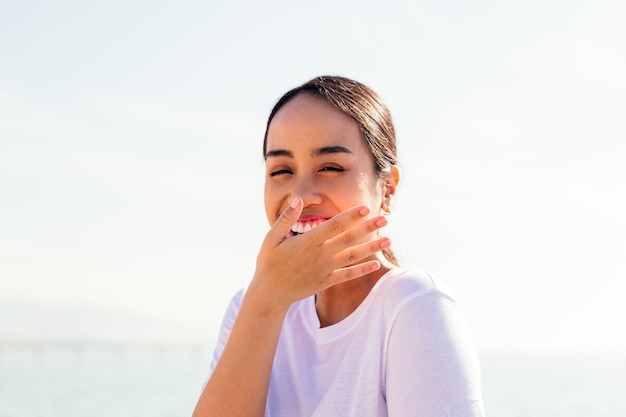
(316, 152)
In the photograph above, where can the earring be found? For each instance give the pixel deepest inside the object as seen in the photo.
(386, 205)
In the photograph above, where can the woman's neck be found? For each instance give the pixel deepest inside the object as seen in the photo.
(338, 302)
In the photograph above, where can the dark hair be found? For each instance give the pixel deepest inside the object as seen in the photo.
(365, 107)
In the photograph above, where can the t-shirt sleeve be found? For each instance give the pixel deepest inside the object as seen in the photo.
(227, 325)
(432, 367)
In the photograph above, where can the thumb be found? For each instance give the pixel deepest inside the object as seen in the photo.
(287, 219)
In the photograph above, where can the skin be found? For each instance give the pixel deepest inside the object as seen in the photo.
(317, 153)
(318, 169)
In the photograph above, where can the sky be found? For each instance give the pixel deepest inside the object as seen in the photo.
(131, 174)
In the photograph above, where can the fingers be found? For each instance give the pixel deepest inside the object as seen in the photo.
(340, 223)
(352, 272)
(349, 237)
(286, 220)
(354, 254)
(352, 235)
(338, 250)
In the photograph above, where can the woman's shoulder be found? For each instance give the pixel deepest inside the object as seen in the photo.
(402, 284)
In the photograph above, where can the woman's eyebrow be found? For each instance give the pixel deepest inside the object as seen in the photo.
(328, 150)
(278, 152)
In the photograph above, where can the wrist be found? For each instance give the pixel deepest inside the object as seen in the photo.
(263, 301)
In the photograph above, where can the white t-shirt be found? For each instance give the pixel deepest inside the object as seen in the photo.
(405, 351)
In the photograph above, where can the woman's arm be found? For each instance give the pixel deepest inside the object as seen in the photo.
(239, 383)
(288, 269)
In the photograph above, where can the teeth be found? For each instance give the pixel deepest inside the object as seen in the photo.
(300, 227)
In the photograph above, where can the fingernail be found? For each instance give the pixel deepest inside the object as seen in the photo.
(385, 243)
(364, 211)
(295, 202)
(374, 267)
(381, 222)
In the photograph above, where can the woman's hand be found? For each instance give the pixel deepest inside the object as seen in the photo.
(292, 268)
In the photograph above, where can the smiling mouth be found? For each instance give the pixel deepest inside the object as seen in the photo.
(303, 227)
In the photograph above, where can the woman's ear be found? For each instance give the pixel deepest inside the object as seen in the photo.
(390, 187)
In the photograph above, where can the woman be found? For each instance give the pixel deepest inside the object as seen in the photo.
(330, 324)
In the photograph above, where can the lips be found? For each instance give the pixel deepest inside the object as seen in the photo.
(304, 226)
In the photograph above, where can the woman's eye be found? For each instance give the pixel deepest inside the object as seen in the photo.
(279, 172)
(332, 169)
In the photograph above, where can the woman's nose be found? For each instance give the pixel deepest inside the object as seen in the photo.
(307, 190)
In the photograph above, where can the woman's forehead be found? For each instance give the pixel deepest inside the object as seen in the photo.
(310, 121)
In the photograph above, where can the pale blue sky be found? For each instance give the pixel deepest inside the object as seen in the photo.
(131, 169)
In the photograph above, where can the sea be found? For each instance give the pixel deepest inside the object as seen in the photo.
(166, 382)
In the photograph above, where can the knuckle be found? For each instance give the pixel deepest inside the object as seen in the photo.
(349, 274)
(284, 218)
(335, 226)
(283, 221)
(348, 239)
(352, 257)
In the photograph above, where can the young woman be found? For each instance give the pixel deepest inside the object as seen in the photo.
(331, 324)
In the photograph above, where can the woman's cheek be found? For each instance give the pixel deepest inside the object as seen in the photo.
(275, 199)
